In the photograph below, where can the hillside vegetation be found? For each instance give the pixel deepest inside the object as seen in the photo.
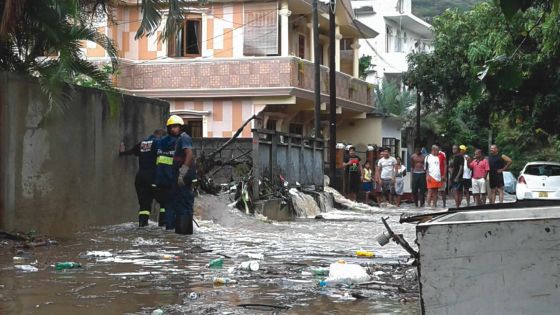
(427, 9)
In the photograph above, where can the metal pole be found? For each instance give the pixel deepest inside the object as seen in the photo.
(418, 104)
(332, 90)
(317, 73)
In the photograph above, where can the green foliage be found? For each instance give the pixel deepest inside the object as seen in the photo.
(364, 64)
(32, 29)
(428, 9)
(391, 100)
(488, 74)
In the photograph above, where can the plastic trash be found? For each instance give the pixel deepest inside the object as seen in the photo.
(169, 257)
(411, 274)
(341, 272)
(320, 271)
(253, 256)
(193, 296)
(67, 265)
(26, 268)
(252, 265)
(157, 312)
(216, 263)
(97, 253)
(18, 259)
(365, 253)
(221, 281)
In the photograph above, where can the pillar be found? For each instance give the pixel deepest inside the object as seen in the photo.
(338, 37)
(356, 60)
(285, 29)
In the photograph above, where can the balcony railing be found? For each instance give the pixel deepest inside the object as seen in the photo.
(243, 73)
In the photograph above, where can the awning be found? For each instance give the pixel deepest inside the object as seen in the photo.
(413, 23)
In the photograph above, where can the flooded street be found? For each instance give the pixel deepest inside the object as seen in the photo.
(140, 271)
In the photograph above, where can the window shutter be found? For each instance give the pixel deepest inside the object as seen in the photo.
(261, 29)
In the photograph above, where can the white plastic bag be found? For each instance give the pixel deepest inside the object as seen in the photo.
(341, 272)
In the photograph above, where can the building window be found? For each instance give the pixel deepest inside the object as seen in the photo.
(187, 43)
(392, 144)
(388, 39)
(301, 46)
(260, 29)
(296, 129)
(346, 44)
(398, 42)
(400, 6)
(194, 127)
(271, 124)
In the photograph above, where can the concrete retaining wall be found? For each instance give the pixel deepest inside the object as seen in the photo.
(60, 172)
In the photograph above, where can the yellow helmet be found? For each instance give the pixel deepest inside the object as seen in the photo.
(175, 120)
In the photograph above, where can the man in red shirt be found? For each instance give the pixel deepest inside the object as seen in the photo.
(480, 169)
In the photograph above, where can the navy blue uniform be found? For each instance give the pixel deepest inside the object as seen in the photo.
(164, 175)
(145, 151)
(181, 198)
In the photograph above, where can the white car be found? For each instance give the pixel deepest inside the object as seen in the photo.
(539, 180)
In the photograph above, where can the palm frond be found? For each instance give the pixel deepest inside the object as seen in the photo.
(151, 17)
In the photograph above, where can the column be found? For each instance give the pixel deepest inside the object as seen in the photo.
(338, 37)
(356, 60)
(285, 29)
(311, 42)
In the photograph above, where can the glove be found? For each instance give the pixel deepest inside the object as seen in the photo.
(182, 173)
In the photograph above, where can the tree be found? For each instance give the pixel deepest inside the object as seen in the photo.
(490, 78)
(43, 39)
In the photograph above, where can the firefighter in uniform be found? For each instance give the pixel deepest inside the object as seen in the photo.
(145, 151)
(164, 181)
(181, 196)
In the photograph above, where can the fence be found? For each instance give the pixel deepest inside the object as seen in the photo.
(296, 158)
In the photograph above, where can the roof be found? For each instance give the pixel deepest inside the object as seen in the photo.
(543, 162)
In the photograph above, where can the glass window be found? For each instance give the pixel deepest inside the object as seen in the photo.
(187, 42)
(260, 30)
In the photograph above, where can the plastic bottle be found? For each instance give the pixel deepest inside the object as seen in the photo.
(250, 265)
(216, 263)
(365, 253)
(67, 265)
(320, 271)
(220, 281)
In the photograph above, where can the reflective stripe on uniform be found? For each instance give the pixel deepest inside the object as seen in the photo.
(161, 210)
(144, 212)
(164, 160)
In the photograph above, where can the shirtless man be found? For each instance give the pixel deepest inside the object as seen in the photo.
(418, 182)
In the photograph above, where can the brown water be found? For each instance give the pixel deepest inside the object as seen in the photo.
(140, 277)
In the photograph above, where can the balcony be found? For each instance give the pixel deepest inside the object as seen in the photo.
(242, 77)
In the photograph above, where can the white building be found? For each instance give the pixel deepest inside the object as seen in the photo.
(400, 33)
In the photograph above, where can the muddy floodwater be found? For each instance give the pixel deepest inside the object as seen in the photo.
(149, 270)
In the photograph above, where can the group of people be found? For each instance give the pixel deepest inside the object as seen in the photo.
(478, 176)
(165, 174)
(385, 181)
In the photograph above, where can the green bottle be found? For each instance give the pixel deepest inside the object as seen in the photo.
(67, 265)
(216, 263)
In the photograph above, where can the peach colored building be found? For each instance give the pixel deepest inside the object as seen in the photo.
(233, 59)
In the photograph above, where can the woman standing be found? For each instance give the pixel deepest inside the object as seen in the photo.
(400, 173)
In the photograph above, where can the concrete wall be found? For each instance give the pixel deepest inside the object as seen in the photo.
(61, 171)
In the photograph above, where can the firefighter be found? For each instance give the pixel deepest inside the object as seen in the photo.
(145, 151)
(184, 172)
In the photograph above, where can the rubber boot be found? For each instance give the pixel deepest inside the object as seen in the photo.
(161, 217)
(184, 224)
(143, 220)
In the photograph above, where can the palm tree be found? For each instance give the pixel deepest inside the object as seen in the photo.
(43, 39)
(390, 99)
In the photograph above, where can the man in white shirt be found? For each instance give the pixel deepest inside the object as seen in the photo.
(386, 168)
(433, 175)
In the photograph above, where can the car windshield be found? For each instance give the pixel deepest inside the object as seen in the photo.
(543, 170)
